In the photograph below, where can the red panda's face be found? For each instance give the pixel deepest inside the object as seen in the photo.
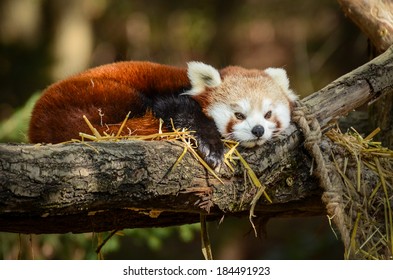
(249, 106)
(251, 123)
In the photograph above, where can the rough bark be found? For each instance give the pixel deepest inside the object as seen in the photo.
(114, 185)
(375, 20)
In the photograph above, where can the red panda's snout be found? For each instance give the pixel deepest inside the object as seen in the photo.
(258, 131)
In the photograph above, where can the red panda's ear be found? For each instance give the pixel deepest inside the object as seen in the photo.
(202, 76)
(279, 75)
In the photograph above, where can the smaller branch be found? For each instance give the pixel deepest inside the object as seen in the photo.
(113, 232)
(374, 18)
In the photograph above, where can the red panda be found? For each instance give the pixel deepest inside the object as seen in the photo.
(249, 106)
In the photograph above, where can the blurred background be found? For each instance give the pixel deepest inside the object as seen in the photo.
(42, 41)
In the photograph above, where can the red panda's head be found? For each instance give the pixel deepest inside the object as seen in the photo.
(249, 106)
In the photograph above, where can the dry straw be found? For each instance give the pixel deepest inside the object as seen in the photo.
(358, 186)
(366, 169)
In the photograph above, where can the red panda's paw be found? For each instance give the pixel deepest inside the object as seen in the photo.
(185, 112)
(212, 150)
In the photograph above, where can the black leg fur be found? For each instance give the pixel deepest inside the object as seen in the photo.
(187, 113)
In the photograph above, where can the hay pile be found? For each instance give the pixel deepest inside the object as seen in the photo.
(366, 170)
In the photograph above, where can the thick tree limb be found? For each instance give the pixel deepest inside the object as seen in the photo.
(104, 186)
(375, 20)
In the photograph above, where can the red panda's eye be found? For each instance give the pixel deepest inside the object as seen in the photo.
(268, 115)
(240, 116)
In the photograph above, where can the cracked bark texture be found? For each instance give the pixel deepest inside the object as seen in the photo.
(114, 185)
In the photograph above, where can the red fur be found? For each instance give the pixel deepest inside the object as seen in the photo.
(112, 90)
(204, 99)
(230, 125)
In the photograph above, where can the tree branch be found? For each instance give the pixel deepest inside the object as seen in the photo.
(374, 18)
(114, 185)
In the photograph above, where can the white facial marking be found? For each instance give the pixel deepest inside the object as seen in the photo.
(254, 116)
(283, 115)
(222, 115)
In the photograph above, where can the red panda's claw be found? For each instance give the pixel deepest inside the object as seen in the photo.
(212, 152)
(214, 161)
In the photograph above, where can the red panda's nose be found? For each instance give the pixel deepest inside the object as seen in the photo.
(258, 130)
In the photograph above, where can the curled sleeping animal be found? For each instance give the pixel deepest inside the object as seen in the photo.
(249, 106)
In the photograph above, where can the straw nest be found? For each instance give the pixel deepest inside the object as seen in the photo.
(366, 171)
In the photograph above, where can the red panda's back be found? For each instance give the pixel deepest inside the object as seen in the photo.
(105, 95)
